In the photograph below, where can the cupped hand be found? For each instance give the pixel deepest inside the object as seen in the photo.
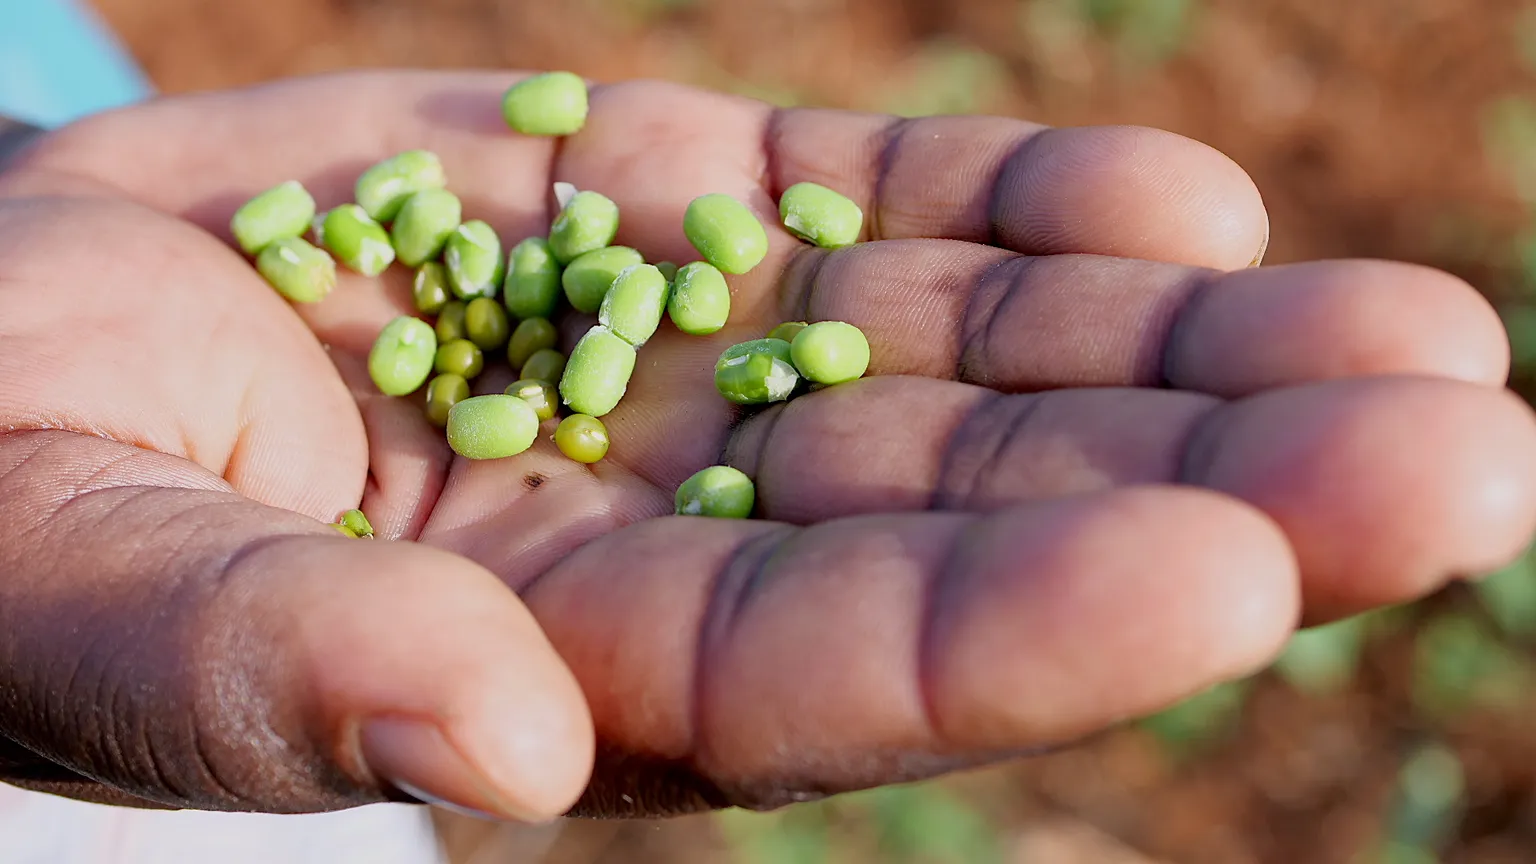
(1100, 464)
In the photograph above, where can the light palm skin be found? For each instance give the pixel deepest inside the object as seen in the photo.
(1099, 465)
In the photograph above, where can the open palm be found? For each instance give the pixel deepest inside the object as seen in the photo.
(1099, 465)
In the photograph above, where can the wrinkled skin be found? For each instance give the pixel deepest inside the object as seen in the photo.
(1099, 465)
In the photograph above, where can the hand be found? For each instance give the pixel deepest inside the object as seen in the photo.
(1101, 467)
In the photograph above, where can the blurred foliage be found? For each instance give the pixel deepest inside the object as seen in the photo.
(950, 77)
(1200, 722)
(1426, 807)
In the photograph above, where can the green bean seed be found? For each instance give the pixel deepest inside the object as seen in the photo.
(429, 289)
(444, 392)
(383, 189)
(668, 269)
(756, 372)
(554, 103)
(532, 334)
(588, 278)
(545, 365)
(492, 427)
(701, 301)
(402, 356)
(281, 213)
(538, 393)
(597, 373)
(726, 233)
(588, 221)
(830, 352)
(356, 240)
(485, 322)
(459, 357)
(344, 530)
(787, 331)
(424, 224)
(813, 212)
(720, 492)
(582, 438)
(635, 303)
(473, 258)
(450, 322)
(298, 270)
(355, 520)
(533, 280)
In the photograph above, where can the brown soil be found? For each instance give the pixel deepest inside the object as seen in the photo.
(1361, 122)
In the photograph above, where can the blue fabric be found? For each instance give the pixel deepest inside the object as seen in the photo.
(58, 63)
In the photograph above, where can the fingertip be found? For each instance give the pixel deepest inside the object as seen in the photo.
(1387, 487)
(1135, 192)
(440, 678)
(1278, 326)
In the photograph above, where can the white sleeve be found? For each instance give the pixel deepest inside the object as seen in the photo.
(45, 829)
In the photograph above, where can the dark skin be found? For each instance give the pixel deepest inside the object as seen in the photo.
(1101, 464)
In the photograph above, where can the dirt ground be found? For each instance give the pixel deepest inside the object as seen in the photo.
(1363, 124)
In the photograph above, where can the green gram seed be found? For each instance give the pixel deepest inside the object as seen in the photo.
(383, 189)
(815, 213)
(551, 104)
(424, 224)
(756, 372)
(544, 365)
(298, 270)
(443, 392)
(830, 352)
(588, 221)
(588, 278)
(402, 356)
(492, 427)
(429, 290)
(450, 322)
(357, 522)
(726, 233)
(459, 357)
(635, 304)
(701, 301)
(538, 393)
(582, 438)
(472, 256)
(356, 240)
(532, 289)
(283, 212)
(532, 335)
(485, 321)
(597, 373)
(719, 492)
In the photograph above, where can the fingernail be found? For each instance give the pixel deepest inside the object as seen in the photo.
(416, 758)
(1263, 248)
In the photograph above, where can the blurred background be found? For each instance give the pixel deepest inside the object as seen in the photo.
(1386, 128)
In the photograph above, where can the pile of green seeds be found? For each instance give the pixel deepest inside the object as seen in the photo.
(478, 302)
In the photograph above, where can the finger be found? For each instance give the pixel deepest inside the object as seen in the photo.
(183, 645)
(901, 646)
(952, 310)
(1386, 487)
(1121, 191)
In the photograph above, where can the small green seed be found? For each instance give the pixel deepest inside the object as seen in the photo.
(444, 392)
(460, 357)
(355, 520)
(283, 212)
(533, 280)
(450, 322)
(492, 427)
(429, 289)
(787, 331)
(424, 224)
(813, 212)
(756, 372)
(344, 530)
(402, 356)
(356, 240)
(668, 269)
(830, 352)
(538, 393)
(554, 103)
(588, 221)
(473, 258)
(531, 335)
(701, 301)
(383, 189)
(726, 233)
(634, 304)
(485, 320)
(582, 438)
(588, 278)
(597, 374)
(545, 365)
(297, 269)
(719, 492)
